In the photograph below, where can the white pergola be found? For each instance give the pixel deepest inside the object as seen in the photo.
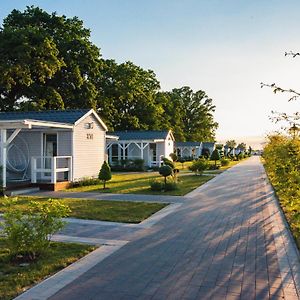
(124, 144)
(17, 126)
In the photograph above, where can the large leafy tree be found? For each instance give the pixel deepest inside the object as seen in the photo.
(46, 62)
(127, 96)
(191, 115)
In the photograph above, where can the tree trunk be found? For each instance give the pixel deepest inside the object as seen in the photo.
(104, 184)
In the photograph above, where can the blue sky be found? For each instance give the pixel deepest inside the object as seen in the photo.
(225, 47)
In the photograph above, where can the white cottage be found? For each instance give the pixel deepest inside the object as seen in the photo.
(188, 149)
(151, 146)
(51, 148)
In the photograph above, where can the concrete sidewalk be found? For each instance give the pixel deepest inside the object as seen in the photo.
(228, 241)
(112, 197)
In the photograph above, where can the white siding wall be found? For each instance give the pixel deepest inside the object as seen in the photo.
(169, 146)
(89, 154)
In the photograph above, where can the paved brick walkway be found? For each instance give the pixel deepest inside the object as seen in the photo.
(227, 241)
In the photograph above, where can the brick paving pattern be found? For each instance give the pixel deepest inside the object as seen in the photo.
(225, 242)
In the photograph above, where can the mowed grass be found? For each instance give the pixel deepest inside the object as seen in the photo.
(14, 279)
(139, 183)
(101, 210)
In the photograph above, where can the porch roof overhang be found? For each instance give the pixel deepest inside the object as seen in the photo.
(28, 124)
(136, 141)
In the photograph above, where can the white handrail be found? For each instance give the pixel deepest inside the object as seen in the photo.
(53, 170)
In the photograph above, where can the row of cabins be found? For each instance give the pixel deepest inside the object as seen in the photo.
(53, 148)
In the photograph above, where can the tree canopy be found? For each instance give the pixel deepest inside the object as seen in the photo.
(48, 61)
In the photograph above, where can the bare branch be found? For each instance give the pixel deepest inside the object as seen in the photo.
(277, 89)
(291, 53)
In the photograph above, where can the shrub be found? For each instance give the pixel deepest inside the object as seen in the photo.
(282, 162)
(165, 171)
(156, 185)
(213, 167)
(199, 166)
(1, 183)
(215, 156)
(129, 165)
(86, 181)
(174, 156)
(105, 173)
(170, 186)
(168, 162)
(182, 161)
(225, 162)
(28, 232)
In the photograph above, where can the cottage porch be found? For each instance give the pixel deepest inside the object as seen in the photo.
(47, 170)
(149, 151)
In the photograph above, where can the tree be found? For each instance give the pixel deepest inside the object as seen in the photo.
(291, 120)
(165, 171)
(126, 98)
(105, 173)
(46, 62)
(231, 145)
(194, 112)
(242, 146)
(215, 156)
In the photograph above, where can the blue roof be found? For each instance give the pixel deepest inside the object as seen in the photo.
(61, 116)
(140, 134)
(208, 144)
(188, 144)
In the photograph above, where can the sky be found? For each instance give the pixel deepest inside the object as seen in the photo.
(224, 47)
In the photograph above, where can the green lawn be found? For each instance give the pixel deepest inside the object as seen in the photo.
(114, 211)
(139, 183)
(14, 279)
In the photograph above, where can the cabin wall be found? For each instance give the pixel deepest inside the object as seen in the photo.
(88, 148)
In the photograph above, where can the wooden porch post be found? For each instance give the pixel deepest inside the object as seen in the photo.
(53, 170)
(142, 151)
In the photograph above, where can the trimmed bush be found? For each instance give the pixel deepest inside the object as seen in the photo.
(182, 161)
(165, 171)
(170, 186)
(199, 166)
(129, 165)
(156, 185)
(213, 167)
(86, 182)
(105, 173)
(215, 156)
(174, 156)
(168, 162)
(225, 162)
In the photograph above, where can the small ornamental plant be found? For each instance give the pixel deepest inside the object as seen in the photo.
(165, 171)
(215, 156)
(28, 232)
(182, 161)
(174, 156)
(168, 162)
(199, 166)
(105, 173)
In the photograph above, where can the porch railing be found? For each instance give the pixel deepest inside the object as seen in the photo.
(49, 167)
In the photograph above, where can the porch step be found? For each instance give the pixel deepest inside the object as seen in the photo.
(23, 191)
